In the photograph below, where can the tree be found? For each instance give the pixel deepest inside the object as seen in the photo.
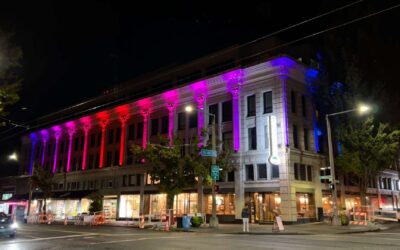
(97, 202)
(367, 149)
(174, 170)
(10, 57)
(42, 179)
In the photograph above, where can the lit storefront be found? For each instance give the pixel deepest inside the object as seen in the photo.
(129, 206)
(186, 203)
(110, 206)
(225, 204)
(305, 205)
(262, 205)
(61, 208)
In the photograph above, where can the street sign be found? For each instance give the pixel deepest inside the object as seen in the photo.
(208, 153)
(325, 177)
(215, 172)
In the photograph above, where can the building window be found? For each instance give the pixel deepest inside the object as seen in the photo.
(110, 136)
(267, 100)
(116, 158)
(131, 132)
(304, 105)
(309, 173)
(275, 171)
(293, 99)
(213, 109)
(302, 172)
(181, 121)
(164, 124)
(262, 171)
(109, 158)
(118, 135)
(129, 157)
(193, 120)
(295, 137)
(62, 147)
(99, 135)
(252, 139)
(82, 142)
(227, 139)
(76, 145)
(231, 176)
(305, 134)
(154, 126)
(227, 111)
(124, 180)
(91, 158)
(251, 105)
(249, 173)
(139, 134)
(92, 140)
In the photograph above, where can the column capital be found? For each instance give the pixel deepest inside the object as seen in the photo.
(86, 127)
(123, 118)
(171, 106)
(71, 131)
(145, 113)
(57, 134)
(103, 123)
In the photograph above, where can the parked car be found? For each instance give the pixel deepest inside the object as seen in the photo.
(7, 226)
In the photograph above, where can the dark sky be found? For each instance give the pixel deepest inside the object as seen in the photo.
(74, 50)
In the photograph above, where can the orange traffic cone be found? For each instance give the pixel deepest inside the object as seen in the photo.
(166, 228)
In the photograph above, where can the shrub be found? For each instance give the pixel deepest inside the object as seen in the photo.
(196, 221)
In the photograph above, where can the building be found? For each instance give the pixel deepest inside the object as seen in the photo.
(265, 114)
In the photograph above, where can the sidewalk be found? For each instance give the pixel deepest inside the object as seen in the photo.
(265, 229)
(297, 229)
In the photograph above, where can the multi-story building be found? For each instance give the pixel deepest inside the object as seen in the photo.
(264, 114)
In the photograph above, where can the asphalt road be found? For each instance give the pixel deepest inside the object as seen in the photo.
(80, 237)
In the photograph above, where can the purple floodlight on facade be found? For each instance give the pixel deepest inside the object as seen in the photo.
(34, 139)
(234, 80)
(200, 92)
(57, 134)
(71, 130)
(171, 99)
(45, 137)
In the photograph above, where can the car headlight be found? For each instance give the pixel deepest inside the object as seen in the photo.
(14, 225)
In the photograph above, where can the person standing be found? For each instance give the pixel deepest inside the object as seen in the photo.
(245, 218)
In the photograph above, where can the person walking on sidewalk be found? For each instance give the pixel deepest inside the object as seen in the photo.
(245, 218)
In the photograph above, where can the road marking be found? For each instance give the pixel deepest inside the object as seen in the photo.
(48, 238)
(138, 239)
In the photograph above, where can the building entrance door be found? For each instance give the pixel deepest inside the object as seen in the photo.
(261, 206)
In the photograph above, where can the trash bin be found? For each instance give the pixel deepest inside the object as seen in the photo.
(320, 214)
(185, 222)
(179, 222)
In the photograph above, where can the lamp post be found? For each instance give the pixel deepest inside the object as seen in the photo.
(214, 218)
(361, 109)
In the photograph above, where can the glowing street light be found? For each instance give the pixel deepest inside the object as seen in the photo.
(361, 109)
(13, 157)
(213, 219)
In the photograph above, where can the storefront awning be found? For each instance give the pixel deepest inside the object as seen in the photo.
(71, 194)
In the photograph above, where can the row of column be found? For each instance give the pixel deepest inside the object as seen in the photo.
(199, 96)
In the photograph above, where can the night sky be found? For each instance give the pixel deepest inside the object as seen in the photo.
(76, 50)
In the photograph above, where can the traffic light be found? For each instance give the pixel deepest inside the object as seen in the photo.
(216, 188)
(331, 186)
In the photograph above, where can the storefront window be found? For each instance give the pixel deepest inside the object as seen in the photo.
(186, 203)
(262, 205)
(327, 205)
(305, 205)
(225, 204)
(129, 206)
(158, 204)
(71, 207)
(110, 208)
(56, 207)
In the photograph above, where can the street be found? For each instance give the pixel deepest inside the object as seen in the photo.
(106, 237)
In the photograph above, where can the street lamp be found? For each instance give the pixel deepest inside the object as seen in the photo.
(214, 218)
(362, 109)
(13, 157)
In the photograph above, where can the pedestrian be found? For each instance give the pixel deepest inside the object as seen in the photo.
(245, 218)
